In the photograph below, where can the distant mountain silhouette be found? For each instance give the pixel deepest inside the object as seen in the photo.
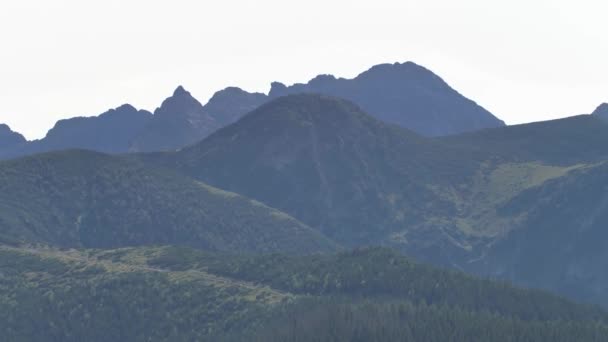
(9, 138)
(602, 111)
(110, 132)
(405, 94)
(228, 105)
(180, 121)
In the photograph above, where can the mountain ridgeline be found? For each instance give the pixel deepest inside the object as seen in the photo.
(404, 94)
(9, 138)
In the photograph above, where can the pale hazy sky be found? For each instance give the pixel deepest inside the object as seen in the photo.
(524, 60)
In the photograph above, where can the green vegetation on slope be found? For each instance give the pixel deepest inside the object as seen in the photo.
(180, 294)
(560, 241)
(88, 199)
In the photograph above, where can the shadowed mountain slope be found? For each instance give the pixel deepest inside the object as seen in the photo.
(326, 163)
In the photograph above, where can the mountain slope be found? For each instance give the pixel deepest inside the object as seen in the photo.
(363, 182)
(559, 242)
(180, 121)
(8, 138)
(565, 141)
(405, 94)
(176, 294)
(88, 199)
(326, 163)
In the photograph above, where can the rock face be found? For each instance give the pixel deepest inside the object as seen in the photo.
(405, 94)
(180, 121)
(8, 138)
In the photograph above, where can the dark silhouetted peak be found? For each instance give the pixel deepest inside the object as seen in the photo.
(231, 92)
(126, 108)
(405, 94)
(9, 138)
(602, 111)
(277, 89)
(110, 132)
(398, 73)
(330, 114)
(322, 80)
(181, 103)
(179, 91)
(228, 105)
(180, 121)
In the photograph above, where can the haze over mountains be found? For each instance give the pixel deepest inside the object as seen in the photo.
(308, 172)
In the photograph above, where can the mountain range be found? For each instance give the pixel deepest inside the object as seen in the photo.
(404, 94)
(263, 217)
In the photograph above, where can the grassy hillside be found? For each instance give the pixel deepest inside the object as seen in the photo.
(178, 294)
(87, 199)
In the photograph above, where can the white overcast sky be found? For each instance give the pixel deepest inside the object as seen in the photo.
(524, 60)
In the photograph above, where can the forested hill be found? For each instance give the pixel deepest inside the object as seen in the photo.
(87, 199)
(180, 294)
